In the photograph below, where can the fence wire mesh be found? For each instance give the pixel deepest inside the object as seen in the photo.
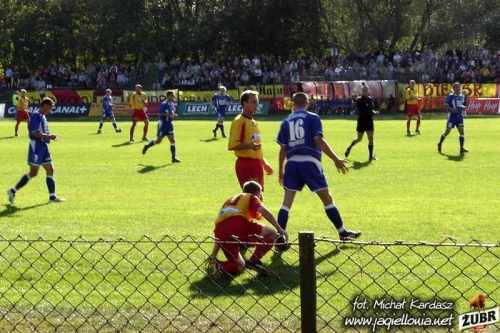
(163, 285)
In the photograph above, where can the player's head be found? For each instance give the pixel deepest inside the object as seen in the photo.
(300, 101)
(249, 100)
(170, 96)
(138, 88)
(222, 90)
(23, 92)
(365, 91)
(108, 92)
(456, 87)
(412, 83)
(47, 105)
(252, 187)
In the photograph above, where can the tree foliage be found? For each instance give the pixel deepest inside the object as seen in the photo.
(133, 31)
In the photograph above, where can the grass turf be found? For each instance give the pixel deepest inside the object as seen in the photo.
(412, 193)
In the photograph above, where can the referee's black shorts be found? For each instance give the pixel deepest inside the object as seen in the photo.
(364, 125)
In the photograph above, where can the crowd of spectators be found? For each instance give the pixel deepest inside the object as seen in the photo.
(69, 77)
(471, 65)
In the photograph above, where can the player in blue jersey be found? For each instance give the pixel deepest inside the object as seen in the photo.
(301, 141)
(38, 152)
(455, 103)
(107, 112)
(220, 103)
(165, 126)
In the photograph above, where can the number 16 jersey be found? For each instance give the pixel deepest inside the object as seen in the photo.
(298, 132)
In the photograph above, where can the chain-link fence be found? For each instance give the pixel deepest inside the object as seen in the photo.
(163, 285)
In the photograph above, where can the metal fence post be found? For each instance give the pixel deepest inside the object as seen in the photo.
(307, 282)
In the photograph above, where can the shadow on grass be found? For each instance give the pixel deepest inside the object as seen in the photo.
(284, 276)
(149, 168)
(7, 137)
(359, 165)
(209, 140)
(126, 143)
(455, 158)
(11, 210)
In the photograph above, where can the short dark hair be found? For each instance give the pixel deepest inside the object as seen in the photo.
(300, 99)
(170, 92)
(246, 95)
(252, 187)
(47, 101)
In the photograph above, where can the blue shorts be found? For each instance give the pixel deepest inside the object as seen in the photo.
(455, 120)
(221, 114)
(303, 170)
(38, 153)
(165, 128)
(107, 115)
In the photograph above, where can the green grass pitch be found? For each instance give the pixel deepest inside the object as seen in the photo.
(412, 193)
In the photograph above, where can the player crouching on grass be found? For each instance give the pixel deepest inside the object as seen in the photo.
(234, 224)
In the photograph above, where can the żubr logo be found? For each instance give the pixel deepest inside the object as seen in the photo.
(481, 318)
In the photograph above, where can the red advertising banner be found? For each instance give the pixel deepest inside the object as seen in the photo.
(63, 96)
(484, 106)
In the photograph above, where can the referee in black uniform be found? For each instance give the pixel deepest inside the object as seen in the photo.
(365, 107)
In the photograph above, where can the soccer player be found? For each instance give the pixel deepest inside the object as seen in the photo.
(301, 141)
(107, 112)
(138, 102)
(365, 107)
(235, 223)
(412, 110)
(455, 103)
(165, 126)
(220, 102)
(38, 152)
(23, 104)
(245, 141)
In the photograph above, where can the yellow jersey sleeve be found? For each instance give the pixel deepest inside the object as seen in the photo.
(408, 94)
(138, 101)
(23, 103)
(244, 130)
(244, 205)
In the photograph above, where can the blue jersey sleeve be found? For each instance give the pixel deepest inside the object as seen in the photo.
(316, 126)
(283, 134)
(36, 123)
(449, 100)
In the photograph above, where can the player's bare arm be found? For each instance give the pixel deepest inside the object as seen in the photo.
(242, 146)
(340, 164)
(267, 167)
(281, 165)
(40, 135)
(271, 219)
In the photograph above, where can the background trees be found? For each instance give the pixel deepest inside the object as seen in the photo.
(118, 31)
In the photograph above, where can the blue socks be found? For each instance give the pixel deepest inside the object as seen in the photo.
(172, 150)
(283, 216)
(51, 186)
(23, 181)
(334, 215)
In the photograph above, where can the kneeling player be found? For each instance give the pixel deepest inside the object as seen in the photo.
(107, 112)
(234, 224)
(165, 126)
